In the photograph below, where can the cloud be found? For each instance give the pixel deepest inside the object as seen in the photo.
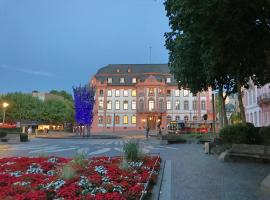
(27, 71)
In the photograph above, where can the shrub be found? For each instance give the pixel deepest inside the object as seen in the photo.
(10, 130)
(23, 137)
(264, 133)
(240, 134)
(67, 172)
(80, 159)
(131, 151)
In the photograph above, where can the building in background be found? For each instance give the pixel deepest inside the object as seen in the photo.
(132, 95)
(257, 104)
(43, 96)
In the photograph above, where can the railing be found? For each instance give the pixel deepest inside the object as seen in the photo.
(147, 110)
(264, 98)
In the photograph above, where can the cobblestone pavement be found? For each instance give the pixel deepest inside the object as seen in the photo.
(195, 175)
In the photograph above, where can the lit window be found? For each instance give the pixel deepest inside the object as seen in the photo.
(117, 93)
(117, 105)
(109, 105)
(151, 91)
(109, 93)
(168, 80)
(125, 105)
(100, 120)
(169, 106)
(117, 119)
(186, 118)
(118, 70)
(109, 80)
(194, 105)
(186, 106)
(134, 80)
(133, 105)
(177, 105)
(134, 93)
(151, 105)
(125, 93)
(100, 105)
(129, 70)
(185, 93)
(133, 120)
(109, 120)
(122, 80)
(177, 93)
(101, 93)
(203, 105)
(125, 119)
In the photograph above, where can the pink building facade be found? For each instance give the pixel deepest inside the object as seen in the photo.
(130, 96)
(257, 104)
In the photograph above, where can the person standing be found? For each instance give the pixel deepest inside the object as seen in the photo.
(147, 129)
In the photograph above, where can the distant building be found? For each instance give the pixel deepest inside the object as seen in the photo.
(129, 96)
(43, 96)
(257, 104)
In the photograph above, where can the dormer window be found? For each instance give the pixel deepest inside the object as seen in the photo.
(118, 70)
(109, 80)
(129, 70)
(134, 80)
(122, 80)
(168, 80)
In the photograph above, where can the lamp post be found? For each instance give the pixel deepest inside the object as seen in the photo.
(5, 105)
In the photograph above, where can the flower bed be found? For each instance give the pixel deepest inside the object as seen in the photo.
(100, 178)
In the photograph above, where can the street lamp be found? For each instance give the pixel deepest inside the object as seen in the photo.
(5, 105)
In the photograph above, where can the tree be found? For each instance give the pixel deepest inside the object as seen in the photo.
(84, 101)
(218, 43)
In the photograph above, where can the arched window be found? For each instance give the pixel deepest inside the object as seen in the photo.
(100, 119)
(117, 105)
(109, 105)
(151, 105)
(203, 105)
(125, 105)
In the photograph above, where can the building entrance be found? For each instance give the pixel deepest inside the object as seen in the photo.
(151, 121)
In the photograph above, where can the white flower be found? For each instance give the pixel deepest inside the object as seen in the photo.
(101, 170)
(22, 183)
(118, 188)
(55, 185)
(106, 179)
(16, 173)
(34, 169)
(52, 160)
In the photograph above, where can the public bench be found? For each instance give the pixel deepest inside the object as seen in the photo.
(249, 151)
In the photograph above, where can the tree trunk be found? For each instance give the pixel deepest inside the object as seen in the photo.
(88, 130)
(224, 112)
(241, 105)
(220, 97)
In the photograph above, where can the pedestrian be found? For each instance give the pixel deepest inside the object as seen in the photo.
(29, 131)
(147, 129)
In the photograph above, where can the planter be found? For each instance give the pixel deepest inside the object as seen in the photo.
(13, 138)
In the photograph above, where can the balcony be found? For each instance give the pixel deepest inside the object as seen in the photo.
(147, 110)
(264, 98)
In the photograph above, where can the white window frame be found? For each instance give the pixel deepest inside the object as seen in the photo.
(134, 80)
(117, 105)
(133, 105)
(122, 80)
(169, 105)
(125, 93)
(109, 80)
(109, 93)
(117, 93)
(109, 105)
(125, 105)
(168, 80)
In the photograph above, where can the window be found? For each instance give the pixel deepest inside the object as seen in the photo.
(117, 105)
(109, 93)
(134, 80)
(117, 119)
(100, 119)
(125, 105)
(168, 80)
(134, 93)
(133, 105)
(129, 70)
(118, 70)
(117, 93)
(195, 118)
(177, 105)
(109, 120)
(109, 105)
(160, 104)
(203, 105)
(177, 93)
(109, 80)
(185, 93)
(168, 92)
(151, 91)
(186, 106)
(100, 105)
(133, 119)
(169, 119)
(177, 118)
(194, 105)
(141, 105)
(169, 106)
(125, 93)
(101, 93)
(186, 118)
(122, 80)
(151, 105)
(125, 119)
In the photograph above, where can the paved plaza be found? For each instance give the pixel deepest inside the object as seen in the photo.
(194, 175)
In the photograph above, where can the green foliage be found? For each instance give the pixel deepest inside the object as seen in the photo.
(3, 134)
(10, 130)
(131, 151)
(240, 134)
(264, 134)
(67, 172)
(80, 159)
(23, 137)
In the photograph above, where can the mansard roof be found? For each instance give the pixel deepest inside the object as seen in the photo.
(129, 71)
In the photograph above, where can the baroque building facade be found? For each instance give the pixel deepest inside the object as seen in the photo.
(129, 96)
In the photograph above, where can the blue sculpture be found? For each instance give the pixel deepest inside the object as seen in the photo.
(84, 101)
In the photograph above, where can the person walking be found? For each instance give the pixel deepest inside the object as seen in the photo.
(147, 129)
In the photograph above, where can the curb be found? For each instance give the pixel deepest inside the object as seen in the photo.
(91, 137)
(165, 188)
(157, 188)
